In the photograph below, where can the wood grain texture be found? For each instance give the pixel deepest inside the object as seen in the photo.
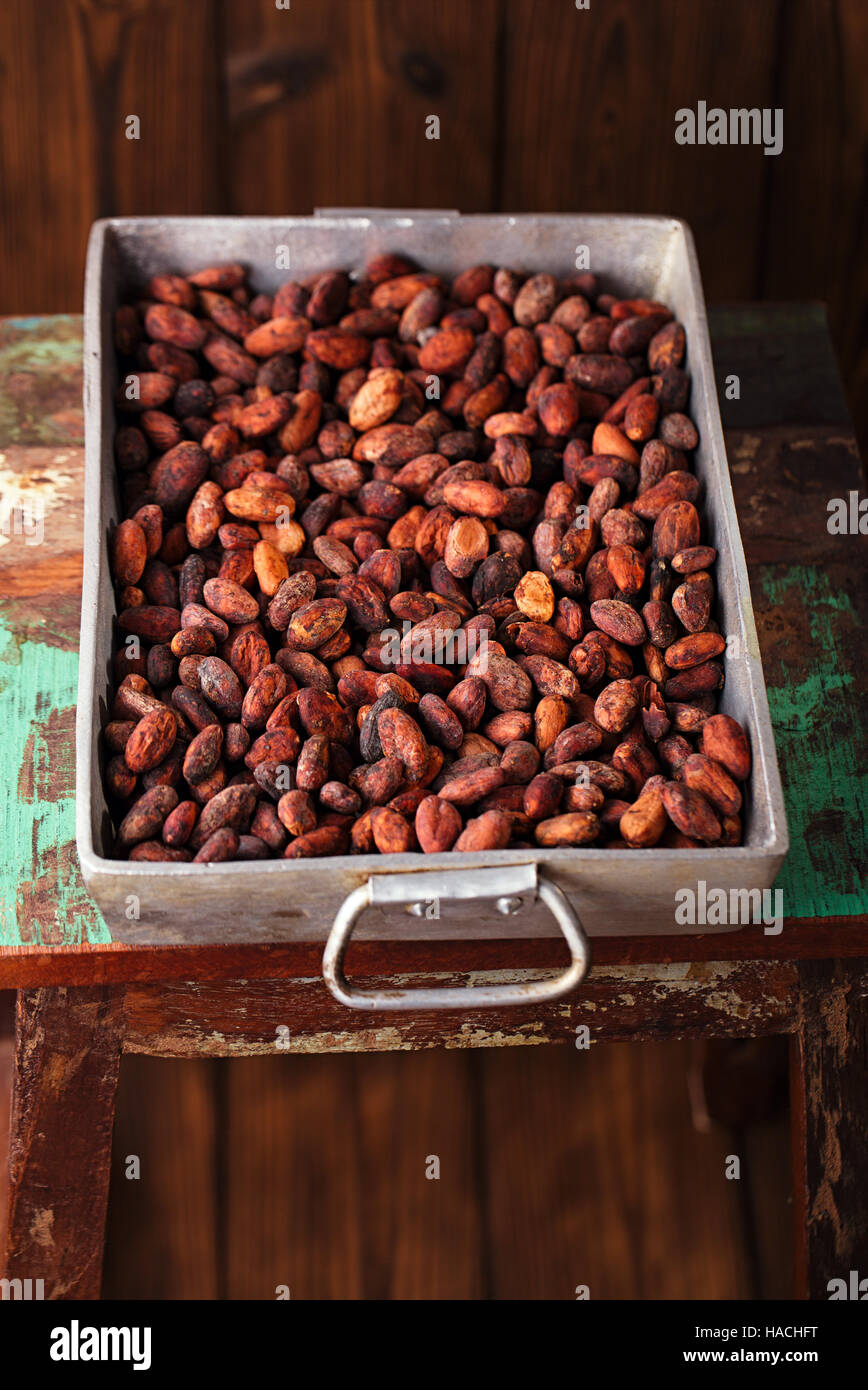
(293, 1188)
(603, 1181)
(727, 999)
(248, 108)
(69, 85)
(783, 479)
(66, 1064)
(766, 1166)
(47, 158)
(326, 1190)
(589, 110)
(163, 1228)
(739, 1088)
(555, 1166)
(819, 185)
(822, 939)
(7, 1068)
(424, 1235)
(163, 63)
(813, 655)
(785, 362)
(328, 105)
(830, 1126)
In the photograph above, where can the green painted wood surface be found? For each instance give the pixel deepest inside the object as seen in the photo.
(810, 627)
(42, 897)
(818, 712)
(40, 380)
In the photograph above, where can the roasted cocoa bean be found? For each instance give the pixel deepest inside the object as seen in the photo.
(357, 620)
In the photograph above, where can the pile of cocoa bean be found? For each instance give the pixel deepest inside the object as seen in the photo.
(411, 564)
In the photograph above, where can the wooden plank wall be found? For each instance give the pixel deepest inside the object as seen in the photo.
(248, 108)
(557, 1168)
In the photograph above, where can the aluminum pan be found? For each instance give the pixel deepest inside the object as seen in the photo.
(616, 893)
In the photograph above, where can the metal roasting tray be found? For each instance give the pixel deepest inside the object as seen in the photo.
(502, 893)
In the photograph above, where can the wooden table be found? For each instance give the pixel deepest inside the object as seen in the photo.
(83, 1001)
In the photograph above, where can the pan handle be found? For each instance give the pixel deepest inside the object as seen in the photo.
(506, 884)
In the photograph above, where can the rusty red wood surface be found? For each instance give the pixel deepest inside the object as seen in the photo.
(829, 1102)
(107, 964)
(618, 1003)
(66, 1068)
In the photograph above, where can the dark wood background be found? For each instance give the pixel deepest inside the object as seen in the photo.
(246, 108)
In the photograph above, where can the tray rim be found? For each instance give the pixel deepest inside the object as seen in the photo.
(99, 869)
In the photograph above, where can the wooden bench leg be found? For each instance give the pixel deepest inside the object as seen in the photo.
(829, 1090)
(67, 1053)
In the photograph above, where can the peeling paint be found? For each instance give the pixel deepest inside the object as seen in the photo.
(42, 1227)
(825, 1203)
(835, 1015)
(42, 898)
(35, 493)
